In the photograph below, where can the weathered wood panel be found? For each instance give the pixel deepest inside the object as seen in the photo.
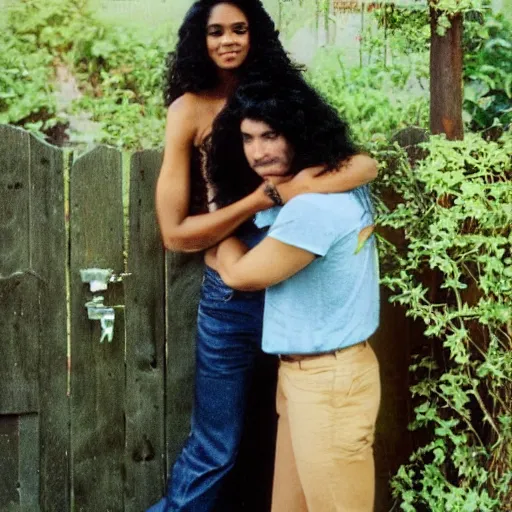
(19, 332)
(14, 200)
(184, 273)
(145, 341)
(33, 320)
(29, 467)
(393, 441)
(9, 464)
(49, 259)
(97, 369)
(19, 282)
(19, 463)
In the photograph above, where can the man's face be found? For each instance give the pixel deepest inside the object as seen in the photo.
(267, 152)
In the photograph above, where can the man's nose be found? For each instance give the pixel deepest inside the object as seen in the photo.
(258, 150)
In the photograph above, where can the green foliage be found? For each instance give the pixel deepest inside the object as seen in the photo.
(375, 100)
(449, 8)
(488, 72)
(52, 25)
(407, 27)
(122, 85)
(455, 275)
(26, 94)
(119, 77)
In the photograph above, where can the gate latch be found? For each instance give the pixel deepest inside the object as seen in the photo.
(96, 310)
(99, 278)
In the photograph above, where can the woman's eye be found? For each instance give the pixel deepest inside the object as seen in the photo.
(215, 33)
(241, 31)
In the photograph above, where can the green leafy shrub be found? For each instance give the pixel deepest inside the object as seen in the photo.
(122, 85)
(375, 100)
(488, 73)
(455, 275)
(26, 93)
(119, 76)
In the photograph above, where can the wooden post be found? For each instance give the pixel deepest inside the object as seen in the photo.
(446, 78)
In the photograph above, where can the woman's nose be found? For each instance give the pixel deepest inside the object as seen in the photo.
(227, 38)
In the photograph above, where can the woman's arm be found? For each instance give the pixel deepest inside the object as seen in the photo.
(181, 231)
(356, 171)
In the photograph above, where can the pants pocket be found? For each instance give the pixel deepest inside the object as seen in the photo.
(356, 406)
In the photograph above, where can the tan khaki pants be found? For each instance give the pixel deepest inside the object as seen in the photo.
(327, 410)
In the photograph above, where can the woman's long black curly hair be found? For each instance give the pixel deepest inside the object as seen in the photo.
(190, 69)
(295, 110)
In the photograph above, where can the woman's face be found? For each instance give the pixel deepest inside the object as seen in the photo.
(227, 36)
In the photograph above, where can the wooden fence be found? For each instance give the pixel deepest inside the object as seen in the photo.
(90, 426)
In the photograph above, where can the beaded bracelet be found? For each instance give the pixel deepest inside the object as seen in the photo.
(272, 192)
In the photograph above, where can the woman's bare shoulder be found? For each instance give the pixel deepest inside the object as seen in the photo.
(186, 104)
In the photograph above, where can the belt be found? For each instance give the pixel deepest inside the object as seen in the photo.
(295, 358)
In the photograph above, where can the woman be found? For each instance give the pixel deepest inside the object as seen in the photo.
(221, 45)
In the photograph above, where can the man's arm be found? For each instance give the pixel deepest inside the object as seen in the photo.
(269, 263)
(354, 172)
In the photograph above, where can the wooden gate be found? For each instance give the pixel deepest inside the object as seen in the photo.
(84, 422)
(93, 426)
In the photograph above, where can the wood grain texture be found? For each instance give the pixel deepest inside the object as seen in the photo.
(184, 273)
(145, 340)
(9, 464)
(49, 254)
(97, 369)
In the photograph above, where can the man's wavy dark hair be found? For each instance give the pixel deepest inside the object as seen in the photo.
(313, 128)
(190, 69)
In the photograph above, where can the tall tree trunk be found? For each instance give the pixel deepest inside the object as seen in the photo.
(446, 78)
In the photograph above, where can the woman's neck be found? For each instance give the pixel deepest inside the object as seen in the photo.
(228, 82)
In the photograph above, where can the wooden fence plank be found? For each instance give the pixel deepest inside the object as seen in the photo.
(19, 331)
(19, 283)
(9, 463)
(393, 441)
(29, 462)
(14, 200)
(145, 328)
(49, 259)
(184, 273)
(97, 369)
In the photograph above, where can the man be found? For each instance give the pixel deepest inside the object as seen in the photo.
(319, 265)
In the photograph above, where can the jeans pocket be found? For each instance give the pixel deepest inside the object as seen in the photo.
(214, 288)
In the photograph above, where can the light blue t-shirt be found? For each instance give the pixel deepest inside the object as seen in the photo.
(334, 301)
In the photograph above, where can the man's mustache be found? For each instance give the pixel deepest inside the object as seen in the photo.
(265, 163)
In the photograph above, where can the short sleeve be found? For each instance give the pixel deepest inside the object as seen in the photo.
(304, 224)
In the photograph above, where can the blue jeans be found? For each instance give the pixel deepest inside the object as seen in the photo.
(228, 341)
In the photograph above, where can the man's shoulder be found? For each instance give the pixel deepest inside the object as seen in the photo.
(342, 203)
